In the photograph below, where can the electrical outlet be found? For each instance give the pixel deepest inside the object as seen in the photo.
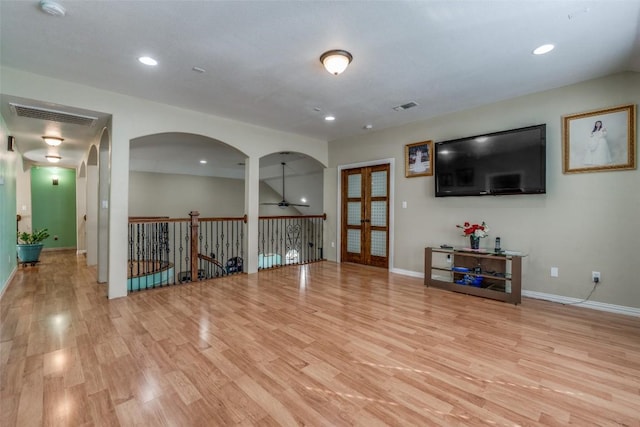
(449, 259)
(333, 244)
(595, 276)
(554, 271)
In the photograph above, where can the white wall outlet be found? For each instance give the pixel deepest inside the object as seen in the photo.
(595, 276)
(333, 244)
(448, 259)
(554, 271)
(404, 204)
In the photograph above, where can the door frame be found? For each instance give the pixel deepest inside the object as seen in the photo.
(391, 189)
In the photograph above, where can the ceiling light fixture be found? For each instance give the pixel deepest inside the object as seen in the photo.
(545, 48)
(53, 141)
(52, 8)
(147, 60)
(53, 158)
(336, 61)
(203, 161)
(329, 118)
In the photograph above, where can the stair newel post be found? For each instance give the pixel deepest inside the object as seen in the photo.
(194, 245)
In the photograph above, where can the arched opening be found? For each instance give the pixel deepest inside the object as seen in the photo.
(170, 176)
(291, 223)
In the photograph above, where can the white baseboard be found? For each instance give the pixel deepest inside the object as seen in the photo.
(8, 282)
(407, 272)
(594, 305)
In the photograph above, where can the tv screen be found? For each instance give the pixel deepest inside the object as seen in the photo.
(507, 162)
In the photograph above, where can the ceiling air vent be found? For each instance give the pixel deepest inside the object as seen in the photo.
(406, 106)
(52, 115)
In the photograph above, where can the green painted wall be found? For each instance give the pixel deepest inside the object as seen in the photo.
(7, 209)
(54, 206)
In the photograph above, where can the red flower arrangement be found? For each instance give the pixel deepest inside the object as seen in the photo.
(477, 230)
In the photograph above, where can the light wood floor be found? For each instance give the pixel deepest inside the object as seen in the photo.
(318, 345)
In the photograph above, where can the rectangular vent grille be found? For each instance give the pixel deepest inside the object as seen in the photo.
(406, 106)
(52, 115)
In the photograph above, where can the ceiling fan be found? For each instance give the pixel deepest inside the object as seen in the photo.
(284, 204)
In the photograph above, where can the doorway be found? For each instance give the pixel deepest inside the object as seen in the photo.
(365, 215)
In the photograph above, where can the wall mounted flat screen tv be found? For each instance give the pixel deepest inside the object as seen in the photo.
(507, 162)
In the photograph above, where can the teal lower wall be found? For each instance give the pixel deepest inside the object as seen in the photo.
(54, 206)
(8, 161)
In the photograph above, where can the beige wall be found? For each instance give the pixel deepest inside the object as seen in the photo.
(585, 222)
(173, 195)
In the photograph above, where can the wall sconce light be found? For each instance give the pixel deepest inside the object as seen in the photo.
(53, 141)
(53, 158)
(54, 179)
(336, 61)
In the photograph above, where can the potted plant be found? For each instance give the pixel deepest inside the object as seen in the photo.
(30, 245)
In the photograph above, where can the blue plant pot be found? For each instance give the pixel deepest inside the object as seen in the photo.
(29, 253)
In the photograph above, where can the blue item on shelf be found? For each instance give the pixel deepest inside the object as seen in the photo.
(460, 269)
(477, 282)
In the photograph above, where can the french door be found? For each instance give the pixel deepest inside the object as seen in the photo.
(365, 215)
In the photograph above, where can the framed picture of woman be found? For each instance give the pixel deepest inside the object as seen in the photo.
(600, 140)
(418, 159)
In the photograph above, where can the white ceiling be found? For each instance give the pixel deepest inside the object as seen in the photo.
(262, 57)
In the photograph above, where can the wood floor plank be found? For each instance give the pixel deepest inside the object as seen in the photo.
(323, 344)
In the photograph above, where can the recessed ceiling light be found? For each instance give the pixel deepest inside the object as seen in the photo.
(368, 127)
(203, 161)
(52, 158)
(147, 60)
(303, 200)
(329, 118)
(545, 48)
(199, 70)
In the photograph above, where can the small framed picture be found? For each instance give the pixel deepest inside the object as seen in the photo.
(601, 140)
(418, 159)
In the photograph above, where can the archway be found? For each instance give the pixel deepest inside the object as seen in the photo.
(174, 173)
(291, 223)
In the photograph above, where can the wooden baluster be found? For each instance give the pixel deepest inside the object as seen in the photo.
(194, 245)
